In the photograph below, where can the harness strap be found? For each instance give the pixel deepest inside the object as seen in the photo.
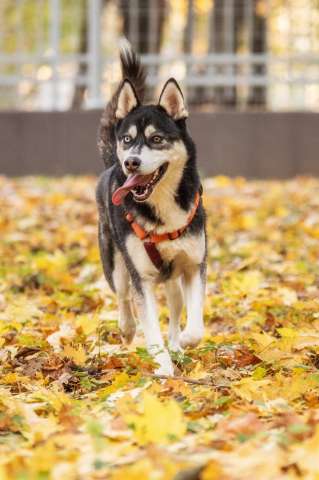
(154, 254)
(154, 238)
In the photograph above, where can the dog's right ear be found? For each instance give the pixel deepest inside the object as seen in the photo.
(126, 100)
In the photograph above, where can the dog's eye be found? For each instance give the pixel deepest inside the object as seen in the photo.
(157, 139)
(127, 138)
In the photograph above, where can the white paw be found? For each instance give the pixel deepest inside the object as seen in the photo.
(165, 370)
(174, 346)
(173, 339)
(127, 330)
(190, 338)
(165, 363)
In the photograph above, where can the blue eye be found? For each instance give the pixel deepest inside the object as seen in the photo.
(157, 139)
(127, 139)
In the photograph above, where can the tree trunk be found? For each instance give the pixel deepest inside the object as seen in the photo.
(191, 92)
(79, 90)
(257, 94)
(139, 28)
(143, 26)
(227, 22)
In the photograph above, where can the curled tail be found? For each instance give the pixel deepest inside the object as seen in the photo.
(132, 68)
(133, 71)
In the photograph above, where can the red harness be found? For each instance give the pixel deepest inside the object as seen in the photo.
(151, 239)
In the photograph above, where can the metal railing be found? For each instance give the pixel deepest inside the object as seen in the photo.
(222, 51)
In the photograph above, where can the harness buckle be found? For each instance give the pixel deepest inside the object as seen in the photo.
(173, 235)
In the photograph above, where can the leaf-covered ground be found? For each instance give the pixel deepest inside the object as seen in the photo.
(77, 404)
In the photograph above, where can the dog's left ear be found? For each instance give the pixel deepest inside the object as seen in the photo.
(172, 100)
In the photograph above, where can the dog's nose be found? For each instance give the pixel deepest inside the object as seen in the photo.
(132, 163)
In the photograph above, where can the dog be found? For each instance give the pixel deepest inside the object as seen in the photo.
(151, 216)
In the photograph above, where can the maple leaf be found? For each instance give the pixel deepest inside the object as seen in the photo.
(158, 422)
(78, 354)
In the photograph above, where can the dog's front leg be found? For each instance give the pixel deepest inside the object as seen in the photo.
(147, 312)
(194, 286)
(121, 283)
(174, 297)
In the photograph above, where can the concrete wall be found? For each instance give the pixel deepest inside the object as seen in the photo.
(255, 145)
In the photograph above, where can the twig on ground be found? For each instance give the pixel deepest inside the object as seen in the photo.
(208, 383)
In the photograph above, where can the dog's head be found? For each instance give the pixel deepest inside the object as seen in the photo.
(150, 140)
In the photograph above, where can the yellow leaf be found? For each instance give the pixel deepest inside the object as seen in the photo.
(248, 222)
(243, 283)
(250, 319)
(156, 467)
(3, 473)
(159, 423)
(119, 381)
(250, 389)
(12, 378)
(89, 324)
(44, 457)
(212, 471)
(263, 339)
(137, 471)
(93, 254)
(77, 355)
(287, 332)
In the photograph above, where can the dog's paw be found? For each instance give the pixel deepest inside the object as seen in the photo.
(190, 338)
(173, 339)
(166, 366)
(127, 331)
(175, 346)
(167, 370)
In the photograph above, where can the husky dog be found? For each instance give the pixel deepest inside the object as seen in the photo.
(151, 217)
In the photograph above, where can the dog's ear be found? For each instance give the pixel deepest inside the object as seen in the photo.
(172, 100)
(126, 100)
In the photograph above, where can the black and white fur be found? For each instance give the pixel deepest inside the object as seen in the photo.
(127, 267)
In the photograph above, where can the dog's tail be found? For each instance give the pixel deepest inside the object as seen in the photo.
(136, 74)
(132, 68)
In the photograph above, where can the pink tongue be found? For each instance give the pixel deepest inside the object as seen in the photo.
(131, 182)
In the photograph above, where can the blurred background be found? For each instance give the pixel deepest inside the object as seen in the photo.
(249, 70)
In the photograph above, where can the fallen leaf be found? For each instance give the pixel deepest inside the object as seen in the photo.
(157, 422)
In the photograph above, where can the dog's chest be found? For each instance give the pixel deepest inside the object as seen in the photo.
(188, 247)
(183, 253)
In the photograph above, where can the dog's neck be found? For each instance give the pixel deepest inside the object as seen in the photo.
(169, 205)
(164, 202)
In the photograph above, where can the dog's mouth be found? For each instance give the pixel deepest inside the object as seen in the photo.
(141, 186)
(142, 191)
